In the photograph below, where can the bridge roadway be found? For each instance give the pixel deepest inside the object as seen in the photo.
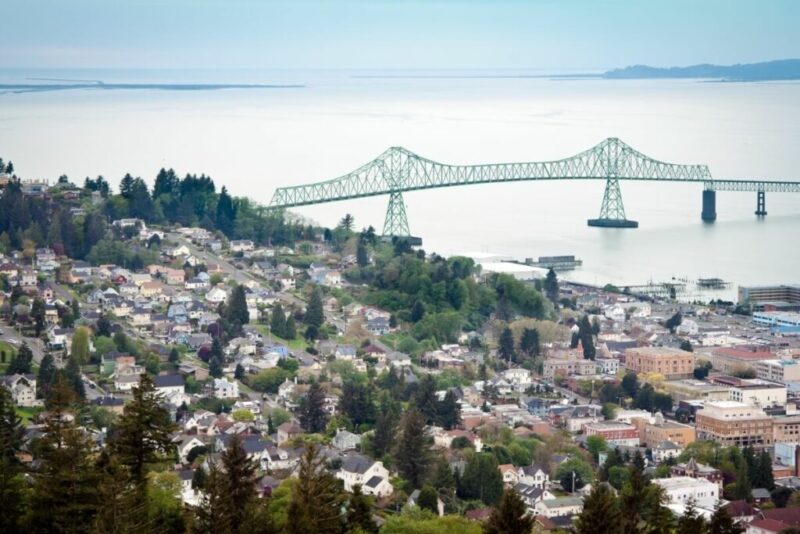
(398, 170)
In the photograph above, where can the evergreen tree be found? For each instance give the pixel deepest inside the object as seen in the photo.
(449, 415)
(425, 399)
(385, 425)
(586, 337)
(216, 360)
(443, 478)
(37, 313)
(240, 485)
(359, 512)
(174, 356)
(361, 255)
(226, 213)
(658, 518)
(142, 432)
(278, 321)
(417, 311)
(482, 479)
(356, 403)
(765, 477)
(236, 313)
(722, 523)
(64, 496)
(312, 413)
(743, 488)
(510, 516)
(505, 348)
(317, 499)
(428, 499)
(601, 512)
(72, 373)
(238, 373)
(46, 376)
(118, 513)
(314, 314)
(80, 345)
(633, 496)
(12, 483)
(411, 453)
(690, 522)
(529, 342)
(21, 364)
(551, 287)
(290, 332)
(270, 425)
(213, 513)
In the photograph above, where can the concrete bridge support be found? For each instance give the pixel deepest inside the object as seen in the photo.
(709, 206)
(761, 203)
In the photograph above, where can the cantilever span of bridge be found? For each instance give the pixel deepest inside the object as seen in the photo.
(398, 170)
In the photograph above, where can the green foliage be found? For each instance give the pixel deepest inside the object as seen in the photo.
(482, 479)
(424, 522)
(313, 417)
(601, 513)
(583, 473)
(412, 452)
(267, 381)
(428, 499)
(316, 500)
(595, 445)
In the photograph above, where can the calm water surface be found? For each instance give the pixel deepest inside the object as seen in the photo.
(253, 141)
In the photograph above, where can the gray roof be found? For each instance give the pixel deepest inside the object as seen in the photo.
(374, 481)
(356, 463)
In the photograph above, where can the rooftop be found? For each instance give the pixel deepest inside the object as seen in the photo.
(674, 483)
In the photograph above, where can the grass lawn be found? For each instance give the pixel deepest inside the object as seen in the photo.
(27, 414)
(295, 344)
(8, 349)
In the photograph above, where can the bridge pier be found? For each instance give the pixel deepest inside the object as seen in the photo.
(709, 206)
(396, 222)
(761, 203)
(612, 211)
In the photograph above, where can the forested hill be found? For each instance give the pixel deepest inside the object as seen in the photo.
(783, 69)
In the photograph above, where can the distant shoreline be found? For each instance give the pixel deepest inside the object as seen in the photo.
(36, 88)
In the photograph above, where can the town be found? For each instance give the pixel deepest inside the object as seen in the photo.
(176, 359)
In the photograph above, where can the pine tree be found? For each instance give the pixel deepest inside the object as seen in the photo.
(551, 287)
(216, 360)
(212, 514)
(510, 516)
(72, 373)
(633, 495)
(361, 255)
(481, 479)
(722, 523)
(359, 512)
(278, 321)
(601, 512)
(64, 494)
(385, 425)
(239, 483)
(312, 413)
(411, 454)
(766, 479)
(119, 512)
(690, 522)
(743, 488)
(21, 364)
(46, 376)
(428, 499)
(425, 399)
(290, 332)
(505, 348)
(316, 499)
(37, 313)
(449, 415)
(143, 432)
(12, 483)
(586, 337)
(236, 313)
(238, 373)
(314, 314)
(529, 342)
(270, 425)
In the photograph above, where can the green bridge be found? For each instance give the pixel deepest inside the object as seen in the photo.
(398, 170)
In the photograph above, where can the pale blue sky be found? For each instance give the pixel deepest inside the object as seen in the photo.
(515, 34)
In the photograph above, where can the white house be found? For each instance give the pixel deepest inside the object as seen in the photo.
(607, 366)
(185, 445)
(216, 295)
(223, 389)
(560, 506)
(371, 475)
(680, 489)
(22, 388)
(345, 440)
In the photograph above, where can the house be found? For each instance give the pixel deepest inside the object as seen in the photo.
(378, 326)
(666, 450)
(345, 440)
(22, 388)
(242, 245)
(185, 445)
(534, 475)
(510, 474)
(223, 389)
(169, 385)
(126, 382)
(559, 507)
(286, 389)
(112, 404)
(216, 295)
(370, 474)
(288, 431)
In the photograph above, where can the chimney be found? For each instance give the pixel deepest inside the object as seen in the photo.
(797, 460)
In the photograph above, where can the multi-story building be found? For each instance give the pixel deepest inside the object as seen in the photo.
(734, 423)
(756, 392)
(739, 358)
(761, 297)
(694, 469)
(668, 361)
(661, 431)
(553, 367)
(680, 490)
(781, 371)
(696, 389)
(607, 366)
(786, 428)
(614, 432)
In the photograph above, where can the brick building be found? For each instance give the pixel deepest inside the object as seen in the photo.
(670, 362)
(733, 423)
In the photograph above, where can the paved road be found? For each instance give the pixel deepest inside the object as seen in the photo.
(11, 336)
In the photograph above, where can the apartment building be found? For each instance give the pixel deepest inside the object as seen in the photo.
(781, 371)
(554, 367)
(661, 431)
(614, 432)
(671, 362)
(786, 429)
(680, 490)
(733, 423)
(756, 392)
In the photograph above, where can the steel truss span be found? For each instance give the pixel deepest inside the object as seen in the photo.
(398, 170)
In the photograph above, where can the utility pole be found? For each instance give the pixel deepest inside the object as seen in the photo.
(573, 482)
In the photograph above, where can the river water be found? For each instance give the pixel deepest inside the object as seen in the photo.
(254, 140)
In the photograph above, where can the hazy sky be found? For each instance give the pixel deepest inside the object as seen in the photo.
(548, 34)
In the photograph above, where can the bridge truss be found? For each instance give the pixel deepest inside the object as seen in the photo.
(398, 170)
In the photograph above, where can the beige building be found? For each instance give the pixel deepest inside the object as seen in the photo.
(778, 370)
(668, 361)
(733, 423)
(690, 389)
(661, 431)
(786, 429)
(738, 358)
(553, 368)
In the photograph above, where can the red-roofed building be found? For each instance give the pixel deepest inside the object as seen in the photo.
(730, 359)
